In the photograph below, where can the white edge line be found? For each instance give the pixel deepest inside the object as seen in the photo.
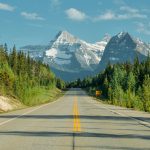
(2, 123)
(147, 124)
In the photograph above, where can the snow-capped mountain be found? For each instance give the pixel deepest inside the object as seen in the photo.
(123, 47)
(142, 47)
(69, 53)
(71, 58)
(35, 51)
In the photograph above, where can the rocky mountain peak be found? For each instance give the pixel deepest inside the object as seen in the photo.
(65, 37)
(106, 37)
(122, 34)
(122, 39)
(74, 56)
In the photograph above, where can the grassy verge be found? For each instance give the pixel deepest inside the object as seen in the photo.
(38, 96)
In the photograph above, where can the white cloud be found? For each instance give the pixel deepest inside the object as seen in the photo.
(75, 14)
(143, 28)
(124, 14)
(31, 16)
(138, 15)
(108, 15)
(132, 12)
(6, 7)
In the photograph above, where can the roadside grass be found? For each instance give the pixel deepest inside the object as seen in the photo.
(34, 97)
(37, 96)
(104, 100)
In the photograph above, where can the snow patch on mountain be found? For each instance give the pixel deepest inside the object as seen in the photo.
(65, 37)
(66, 49)
(52, 53)
(121, 34)
(142, 47)
(122, 48)
(79, 58)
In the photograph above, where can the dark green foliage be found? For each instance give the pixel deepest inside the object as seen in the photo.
(20, 75)
(60, 83)
(145, 94)
(123, 84)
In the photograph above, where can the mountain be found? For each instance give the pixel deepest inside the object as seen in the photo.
(35, 51)
(121, 48)
(71, 58)
(142, 47)
(69, 53)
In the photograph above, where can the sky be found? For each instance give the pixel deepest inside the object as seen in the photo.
(35, 22)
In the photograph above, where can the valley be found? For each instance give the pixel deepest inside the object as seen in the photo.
(74, 75)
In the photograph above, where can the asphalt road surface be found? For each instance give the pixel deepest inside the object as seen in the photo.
(75, 122)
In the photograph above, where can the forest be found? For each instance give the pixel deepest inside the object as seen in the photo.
(126, 84)
(24, 78)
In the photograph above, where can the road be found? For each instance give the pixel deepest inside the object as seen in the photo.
(75, 122)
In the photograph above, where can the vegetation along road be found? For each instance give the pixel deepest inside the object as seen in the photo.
(75, 122)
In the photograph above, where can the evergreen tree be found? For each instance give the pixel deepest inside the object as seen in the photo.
(13, 60)
(6, 51)
(20, 75)
(131, 82)
(146, 93)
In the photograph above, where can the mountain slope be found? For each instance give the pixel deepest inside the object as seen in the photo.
(35, 51)
(71, 58)
(122, 48)
(68, 53)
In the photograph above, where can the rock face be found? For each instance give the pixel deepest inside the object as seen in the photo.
(122, 48)
(7, 104)
(69, 53)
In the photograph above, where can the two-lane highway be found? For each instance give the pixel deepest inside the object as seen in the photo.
(75, 122)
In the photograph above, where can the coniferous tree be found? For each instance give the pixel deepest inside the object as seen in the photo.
(125, 84)
(13, 60)
(146, 93)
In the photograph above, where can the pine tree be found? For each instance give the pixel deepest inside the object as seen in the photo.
(78, 83)
(105, 87)
(147, 65)
(13, 60)
(131, 82)
(3, 57)
(146, 93)
(6, 51)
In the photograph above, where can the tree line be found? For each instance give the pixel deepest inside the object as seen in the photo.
(20, 74)
(125, 84)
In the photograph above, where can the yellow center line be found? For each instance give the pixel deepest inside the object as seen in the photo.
(76, 123)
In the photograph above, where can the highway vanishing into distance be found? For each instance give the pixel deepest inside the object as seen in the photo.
(75, 122)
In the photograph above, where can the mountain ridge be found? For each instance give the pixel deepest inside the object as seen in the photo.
(70, 56)
(121, 48)
(67, 49)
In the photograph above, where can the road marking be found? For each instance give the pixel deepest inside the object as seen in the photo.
(139, 121)
(2, 123)
(76, 119)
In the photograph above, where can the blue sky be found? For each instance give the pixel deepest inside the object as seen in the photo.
(25, 22)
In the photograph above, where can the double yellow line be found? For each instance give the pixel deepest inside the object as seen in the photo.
(76, 119)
